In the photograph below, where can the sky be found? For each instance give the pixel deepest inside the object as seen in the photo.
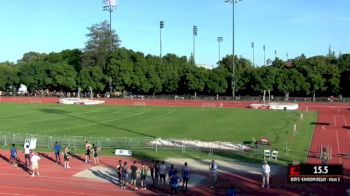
(287, 26)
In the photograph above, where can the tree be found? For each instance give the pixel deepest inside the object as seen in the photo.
(98, 46)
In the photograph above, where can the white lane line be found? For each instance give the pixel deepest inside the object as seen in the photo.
(335, 121)
(346, 124)
(336, 132)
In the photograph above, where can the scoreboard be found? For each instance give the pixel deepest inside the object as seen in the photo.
(308, 173)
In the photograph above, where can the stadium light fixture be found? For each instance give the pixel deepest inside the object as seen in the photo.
(233, 83)
(161, 26)
(110, 6)
(219, 39)
(195, 31)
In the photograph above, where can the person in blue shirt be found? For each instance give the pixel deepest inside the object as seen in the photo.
(57, 149)
(13, 153)
(185, 177)
(174, 179)
(231, 191)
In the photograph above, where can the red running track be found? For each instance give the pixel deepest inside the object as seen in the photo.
(331, 130)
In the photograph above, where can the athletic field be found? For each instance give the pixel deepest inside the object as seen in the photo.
(207, 124)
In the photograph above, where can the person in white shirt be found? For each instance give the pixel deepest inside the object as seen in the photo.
(265, 175)
(35, 164)
(162, 172)
(26, 151)
(213, 167)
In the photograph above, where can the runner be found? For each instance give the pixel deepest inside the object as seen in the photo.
(87, 152)
(133, 169)
(57, 149)
(27, 152)
(66, 157)
(13, 153)
(143, 175)
(95, 151)
(35, 164)
(185, 177)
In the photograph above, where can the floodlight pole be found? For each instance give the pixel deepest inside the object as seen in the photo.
(253, 54)
(194, 43)
(110, 5)
(161, 26)
(233, 82)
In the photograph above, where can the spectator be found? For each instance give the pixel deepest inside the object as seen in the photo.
(133, 169)
(185, 177)
(162, 171)
(171, 171)
(13, 153)
(213, 167)
(156, 169)
(265, 175)
(231, 191)
(119, 171)
(57, 149)
(66, 157)
(95, 151)
(27, 152)
(87, 152)
(143, 175)
(174, 179)
(35, 164)
(124, 175)
(151, 166)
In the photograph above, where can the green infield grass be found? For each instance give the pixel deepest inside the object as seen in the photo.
(207, 124)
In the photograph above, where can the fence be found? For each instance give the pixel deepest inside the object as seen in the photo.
(76, 142)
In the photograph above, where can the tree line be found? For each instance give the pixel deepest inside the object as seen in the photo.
(104, 66)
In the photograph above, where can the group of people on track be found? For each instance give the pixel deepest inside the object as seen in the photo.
(31, 158)
(161, 174)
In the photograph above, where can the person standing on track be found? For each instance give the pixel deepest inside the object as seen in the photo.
(57, 149)
(66, 157)
(143, 175)
(162, 173)
(266, 175)
(156, 172)
(119, 171)
(124, 175)
(27, 152)
(213, 169)
(35, 164)
(87, 152)
(13, 153)
(133, 175)
(185, 177)
(95, 151)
